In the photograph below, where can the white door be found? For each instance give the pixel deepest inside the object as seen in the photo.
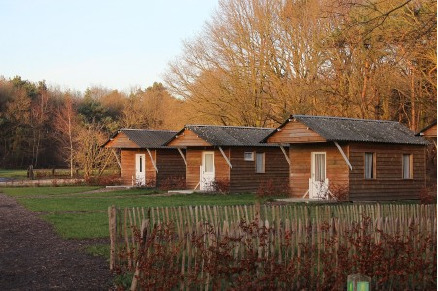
(318, 182)
(140, 169)
(207, 171)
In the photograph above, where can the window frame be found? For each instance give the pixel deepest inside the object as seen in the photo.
(263, 170)
(374, 166)
(313, 169)
(250, 159)
(411, 166)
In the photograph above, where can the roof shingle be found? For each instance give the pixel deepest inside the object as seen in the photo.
(231, 135)
(360, 130)
(148, 138)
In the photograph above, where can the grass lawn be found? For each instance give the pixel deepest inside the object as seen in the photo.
(77, 214)
(16, 174)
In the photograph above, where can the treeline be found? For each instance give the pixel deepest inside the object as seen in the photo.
(257, 61)
(47, 127)
(254, 63)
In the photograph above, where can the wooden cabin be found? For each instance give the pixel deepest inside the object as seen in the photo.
(231, 159)
(429, 133)
(363, 159)
(144, 161)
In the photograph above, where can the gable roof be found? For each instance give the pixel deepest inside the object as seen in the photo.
(421, 132)
(357, 130)
(228, 135)
(146, 138)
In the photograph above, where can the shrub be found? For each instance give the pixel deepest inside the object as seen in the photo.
(270, 187)
(109, 180)
(339, 192)
(55, 182)
(173, 183)
(221, 186)
(428, 195)
(253, 258)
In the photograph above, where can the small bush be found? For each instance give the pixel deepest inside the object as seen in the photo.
(339, 192)
(109, 180)
(428, 195)
(248, 259)
(55, 183)
(173, 183)
(221, 186)
(270, 187)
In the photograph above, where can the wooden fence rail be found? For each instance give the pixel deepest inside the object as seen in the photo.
(299, 224)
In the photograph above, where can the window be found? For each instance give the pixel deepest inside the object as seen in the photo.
(370, 165)
(260, 162)
(319, 166)
(407, 166)
(141, 163)
(248, 156)
(209, 162)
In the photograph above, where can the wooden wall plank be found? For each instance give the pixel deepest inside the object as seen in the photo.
(300, 155)
(430, 132)
(121, 140)
(188, 138)
(295, 132)
(389, 183)
(243, 174)
(170, 165)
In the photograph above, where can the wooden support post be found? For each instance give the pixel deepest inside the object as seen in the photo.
(285, 154)
(225, 157)
(117, 158)
(182, 155)
(152, 159)
(344, 156)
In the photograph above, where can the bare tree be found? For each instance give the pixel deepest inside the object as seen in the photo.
(66, 126)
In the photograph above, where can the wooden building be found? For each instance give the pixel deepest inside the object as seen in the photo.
(231, 158)
(364, 159)
(144, 159)
(429, 133)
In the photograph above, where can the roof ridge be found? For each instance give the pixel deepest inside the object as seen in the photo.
(228, 126)
(142, 129)
(343, 118)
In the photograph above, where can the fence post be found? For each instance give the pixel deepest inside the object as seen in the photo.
(113, 234)
(141, 251)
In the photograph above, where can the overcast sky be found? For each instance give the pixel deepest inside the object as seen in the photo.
(75, 44)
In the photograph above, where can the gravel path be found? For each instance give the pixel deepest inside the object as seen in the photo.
(33, 257)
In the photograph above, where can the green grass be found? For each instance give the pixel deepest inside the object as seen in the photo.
(79, 215)
(30, 192)
(62, 204)
(80, 225)
(98, 250)
(16, 174)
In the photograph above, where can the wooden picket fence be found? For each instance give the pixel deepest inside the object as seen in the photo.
(301, 223)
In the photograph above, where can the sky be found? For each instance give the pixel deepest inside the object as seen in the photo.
(75, 44)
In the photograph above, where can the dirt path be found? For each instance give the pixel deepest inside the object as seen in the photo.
(33, 257)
